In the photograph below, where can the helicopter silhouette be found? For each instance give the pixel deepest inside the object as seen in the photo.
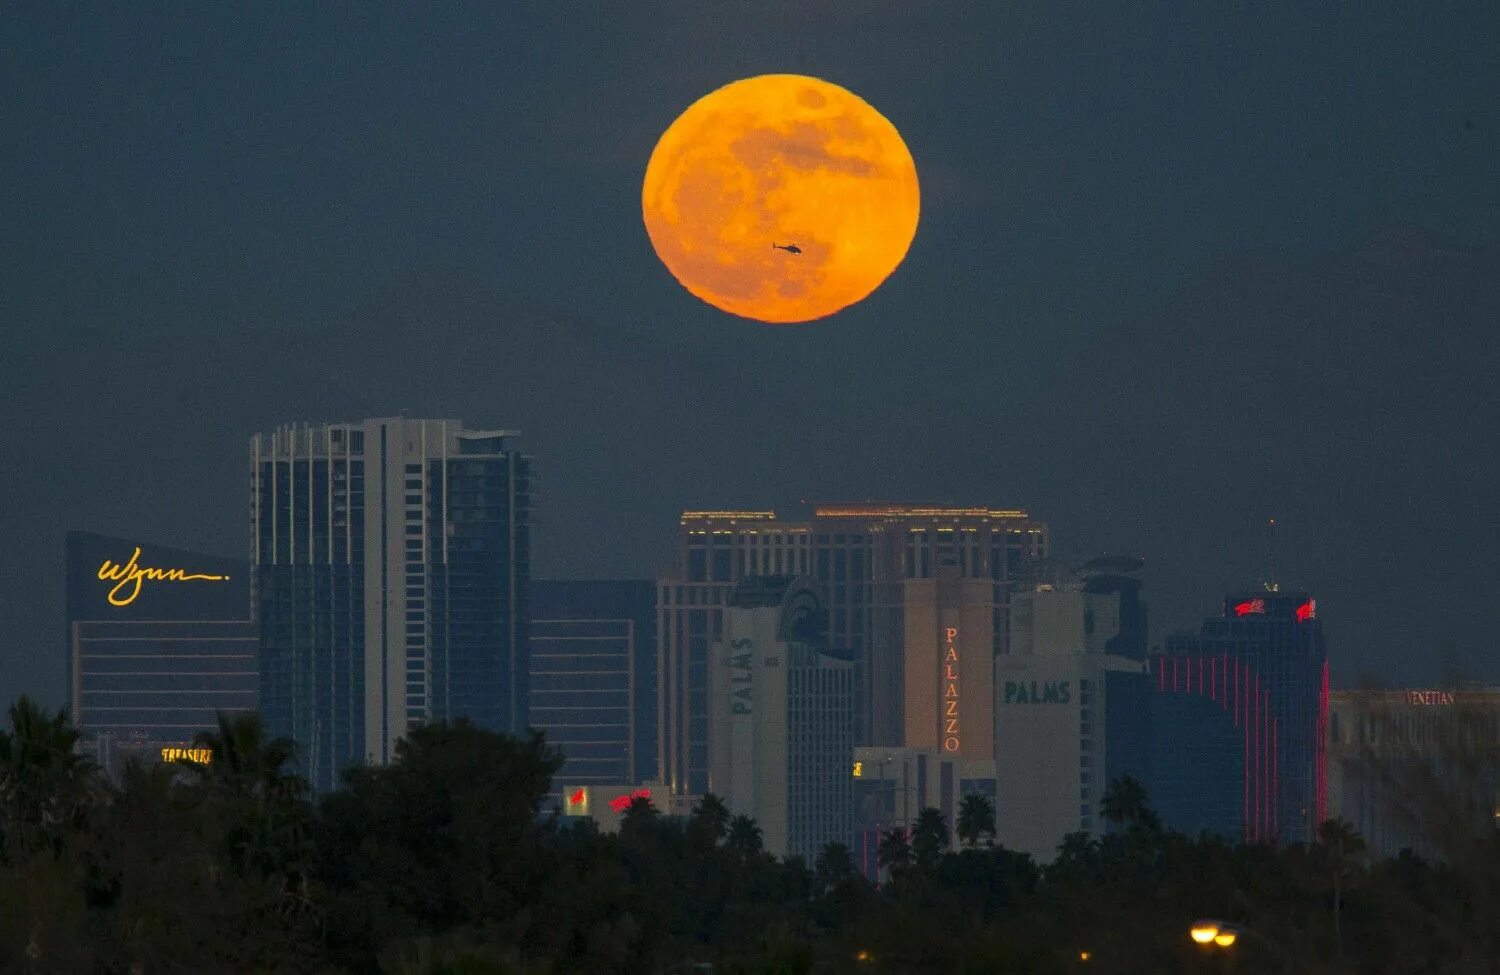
(789, 248)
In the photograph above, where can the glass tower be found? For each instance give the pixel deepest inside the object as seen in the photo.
(1257, 724)
(391, 563)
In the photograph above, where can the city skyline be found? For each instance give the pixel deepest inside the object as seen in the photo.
(1177, 273)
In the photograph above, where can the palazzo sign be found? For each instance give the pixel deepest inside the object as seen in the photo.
(950, 691)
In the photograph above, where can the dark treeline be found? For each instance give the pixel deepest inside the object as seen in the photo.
(444, 862)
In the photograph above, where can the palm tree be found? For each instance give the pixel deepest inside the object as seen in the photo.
(929, 837)
(711, 817)
(976, 817)
(264, 801)
(894, 853)
(744, 837)
(242, 761)
(1343, 844)
(834, 866)
(45, 785)
(1124, 803)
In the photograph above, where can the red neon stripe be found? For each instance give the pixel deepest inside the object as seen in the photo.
(1275, 775)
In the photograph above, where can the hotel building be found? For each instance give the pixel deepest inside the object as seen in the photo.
(592, 670)
(160, 640)
(1415, 769)
(1239, 713)
(781, 729)
(892, 575)
(1070, 706)
(392, 560)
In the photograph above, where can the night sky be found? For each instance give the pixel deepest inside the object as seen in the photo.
(1180, 268)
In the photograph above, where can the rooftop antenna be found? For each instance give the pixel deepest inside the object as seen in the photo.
(1270, 583)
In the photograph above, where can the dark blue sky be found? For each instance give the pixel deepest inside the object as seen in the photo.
(1180, 267)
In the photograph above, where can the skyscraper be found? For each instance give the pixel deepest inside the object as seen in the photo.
(593, 668)
(392, 559)
(160, 640)
(780, 716)
(863, 556)
(1070, 705)
(1239, 720)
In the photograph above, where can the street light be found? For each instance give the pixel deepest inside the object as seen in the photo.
(1207, 931)
(1204, 932)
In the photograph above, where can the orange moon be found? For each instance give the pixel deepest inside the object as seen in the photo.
(781, 159)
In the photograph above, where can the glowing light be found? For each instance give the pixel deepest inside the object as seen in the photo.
(859, 770)
(1225, 938)
(622, 802)
(1085, 955)
(1249, 606)
(1307, 611)
(1203, 933)
(198, 756)
(781, 159)
(914, 511)
(577, 798)
(950, 692)
(132, 575)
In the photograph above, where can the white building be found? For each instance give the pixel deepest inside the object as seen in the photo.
(781, 716)
(1069, 715)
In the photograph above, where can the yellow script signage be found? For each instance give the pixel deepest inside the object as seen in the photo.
(129, 577)
(202, 756)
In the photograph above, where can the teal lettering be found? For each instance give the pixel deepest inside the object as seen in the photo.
(1010, 692)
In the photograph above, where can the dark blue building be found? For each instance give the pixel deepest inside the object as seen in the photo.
(392, 561)
(593, 677)
(160, 640)
(1239, 718)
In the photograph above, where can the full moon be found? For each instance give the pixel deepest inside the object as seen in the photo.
(774, 162)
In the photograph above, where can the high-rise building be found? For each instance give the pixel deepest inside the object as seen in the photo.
(1407, 766)
(592, 681)
(891, 572)
(780, 713)
(392, 559)
(1239, 715)
(1070, 705)
(160, 640)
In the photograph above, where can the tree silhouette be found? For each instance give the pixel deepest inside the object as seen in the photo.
(929, 837)
(1125, 804)
(45, 785)
(894, 853)
(1343, 845)
(711, 817)
(835, 865)
(744, 838)
(976, 817)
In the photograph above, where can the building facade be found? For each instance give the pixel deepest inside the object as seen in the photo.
(893, 785)
(1415, 768)
(1239, 721)
(780, 713)
(1070, 708)
(880, 565)
(160, 641)
(592, 677)
(392, 560)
